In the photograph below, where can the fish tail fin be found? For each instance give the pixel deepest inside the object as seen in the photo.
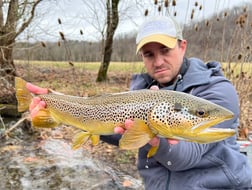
(24, 97)
(43, 119)
(137, 136)
(80, 139)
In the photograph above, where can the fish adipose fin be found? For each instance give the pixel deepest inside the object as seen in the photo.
(136, 136)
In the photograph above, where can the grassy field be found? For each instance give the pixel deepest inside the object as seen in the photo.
(127, 67)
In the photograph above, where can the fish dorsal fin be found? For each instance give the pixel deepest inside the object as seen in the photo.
(136, 136)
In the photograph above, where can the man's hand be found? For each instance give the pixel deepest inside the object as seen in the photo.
(128, 123)
(153, 142)
(36, 103)
(36, 89)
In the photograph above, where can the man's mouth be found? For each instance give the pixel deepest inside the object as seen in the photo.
(157, 71)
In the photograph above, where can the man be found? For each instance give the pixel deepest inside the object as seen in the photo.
(179, 164)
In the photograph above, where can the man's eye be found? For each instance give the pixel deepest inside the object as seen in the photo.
(147, 54)
(165, 50)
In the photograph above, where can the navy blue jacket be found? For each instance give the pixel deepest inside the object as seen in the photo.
(193, 166)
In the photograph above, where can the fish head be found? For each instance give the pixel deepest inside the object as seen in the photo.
(189, 118)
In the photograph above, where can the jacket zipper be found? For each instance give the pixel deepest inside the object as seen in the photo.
(168, 180)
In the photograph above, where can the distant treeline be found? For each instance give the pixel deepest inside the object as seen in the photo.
(225, 37)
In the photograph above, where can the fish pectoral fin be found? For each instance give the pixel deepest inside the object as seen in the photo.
(43, 119)
(95, 139)
(80, 139)
(152, 151)
(136, 136)
(213, 135)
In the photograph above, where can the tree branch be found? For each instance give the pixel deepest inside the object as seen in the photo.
(26, 24)
(1, 13)
(11, 20)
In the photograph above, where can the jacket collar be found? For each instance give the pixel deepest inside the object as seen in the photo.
(194, 72)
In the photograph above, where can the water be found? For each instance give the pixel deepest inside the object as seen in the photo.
(51, 164)
(30, 164)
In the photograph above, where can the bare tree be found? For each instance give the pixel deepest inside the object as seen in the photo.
(15, 17)
(112, 23)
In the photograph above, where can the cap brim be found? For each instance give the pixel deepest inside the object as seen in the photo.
(160, 38)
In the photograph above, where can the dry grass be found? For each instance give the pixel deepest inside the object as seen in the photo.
(240, 75)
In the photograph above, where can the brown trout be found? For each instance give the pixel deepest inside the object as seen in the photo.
(162, 113)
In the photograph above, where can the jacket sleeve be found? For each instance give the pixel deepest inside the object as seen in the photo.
(186, 155)
(111, 139)
(182, 156)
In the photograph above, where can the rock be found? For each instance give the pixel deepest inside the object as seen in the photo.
(9, 110)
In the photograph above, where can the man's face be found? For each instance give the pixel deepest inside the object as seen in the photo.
(163, 63)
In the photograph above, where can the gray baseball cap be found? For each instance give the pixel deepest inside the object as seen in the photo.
(161, 29)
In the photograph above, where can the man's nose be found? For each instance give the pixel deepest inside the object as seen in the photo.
(159, 59)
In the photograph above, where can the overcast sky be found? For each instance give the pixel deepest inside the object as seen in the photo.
(76, 15)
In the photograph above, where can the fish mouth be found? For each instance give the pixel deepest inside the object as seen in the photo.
(204, 132)
(204, 125)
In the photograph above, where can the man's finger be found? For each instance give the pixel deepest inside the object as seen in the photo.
(128, 123)
(119, 130)
(154, 87)
(37, 108)
(154, 141)
(34, 103)
(173, 141)
(35, 89)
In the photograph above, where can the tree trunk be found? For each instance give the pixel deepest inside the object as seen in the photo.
(7, 40)
(112, 23)
(12, 23)
(7, 74)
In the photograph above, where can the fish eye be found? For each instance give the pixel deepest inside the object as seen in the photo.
(202, 113)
